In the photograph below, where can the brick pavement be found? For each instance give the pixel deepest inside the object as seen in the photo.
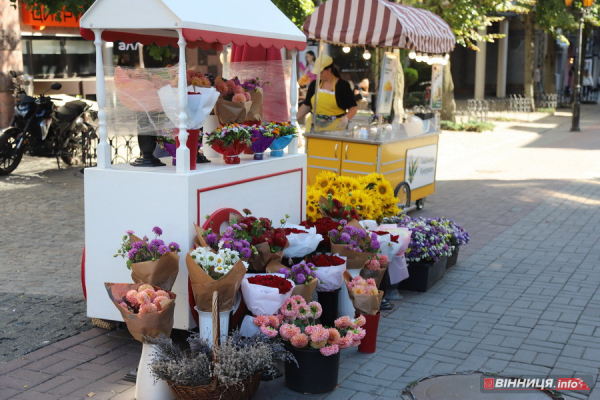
(523, 299)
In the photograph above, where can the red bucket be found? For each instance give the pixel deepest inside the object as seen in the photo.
(192, 144)
(369, 343)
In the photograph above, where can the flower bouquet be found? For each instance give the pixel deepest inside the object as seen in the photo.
(150, 261)
(337, 211)
(365, 296)
(230, 141)
(270, 242)
(304, 276)
(262, 137)
(285, 132)
(323, 226)
(234, 102)
(265, 293)
(398, 237)
(375, 268)
(302, 241)
(314, 346)
(429, 241)
(146, 309)
(210, 272)
(330, 269)
(351, 240)
(254, 87)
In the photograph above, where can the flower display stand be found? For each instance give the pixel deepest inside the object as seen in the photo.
(330, 303)
(146, 387)
(369, 343)
(123, 197)
(452, 260)
(345, 306)
(422, 276)
(315, 372)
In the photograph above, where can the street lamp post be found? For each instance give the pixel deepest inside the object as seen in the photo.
(578, 62)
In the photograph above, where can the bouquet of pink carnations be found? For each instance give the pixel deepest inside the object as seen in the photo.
(365, 296)
(297, 325)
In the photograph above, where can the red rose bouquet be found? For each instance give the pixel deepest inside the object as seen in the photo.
(334, 209)
(264, 294)
(330, 270)
(230, 141)
(269, 241)
(302, 241)
(323, 226)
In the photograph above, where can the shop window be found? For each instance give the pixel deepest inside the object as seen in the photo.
(58, 57)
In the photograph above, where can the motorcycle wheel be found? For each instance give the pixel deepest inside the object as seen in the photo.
(10, 157)
(71, 153)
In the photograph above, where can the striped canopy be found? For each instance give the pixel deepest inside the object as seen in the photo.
(380, 23)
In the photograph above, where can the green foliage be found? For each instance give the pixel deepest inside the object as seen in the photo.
(549, 110)
(471, 126)
(411, 76)
(297, 10)
(159, 52)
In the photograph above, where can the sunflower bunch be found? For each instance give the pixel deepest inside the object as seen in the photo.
(372, 195)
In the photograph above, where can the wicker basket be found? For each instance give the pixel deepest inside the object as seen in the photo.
(216, 391)
(244, 391)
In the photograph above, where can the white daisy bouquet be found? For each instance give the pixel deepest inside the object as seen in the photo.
(209, 271)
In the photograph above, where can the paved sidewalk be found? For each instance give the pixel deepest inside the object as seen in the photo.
(523, 298)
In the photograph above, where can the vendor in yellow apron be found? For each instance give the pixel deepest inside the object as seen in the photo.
(336, 104)
(328, 115)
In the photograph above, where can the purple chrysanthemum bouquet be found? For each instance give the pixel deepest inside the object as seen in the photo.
(262, 137)
(430, 240)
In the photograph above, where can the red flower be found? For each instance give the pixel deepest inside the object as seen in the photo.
(323, 260)
(394, 238)
(289, 231)
(280, 239)
(273, 281)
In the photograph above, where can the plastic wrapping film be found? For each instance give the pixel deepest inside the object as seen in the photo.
(276, 94)
(133, 103)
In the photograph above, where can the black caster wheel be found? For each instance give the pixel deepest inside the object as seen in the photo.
(420, 204)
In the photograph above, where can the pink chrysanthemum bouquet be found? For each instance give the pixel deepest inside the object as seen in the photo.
(297, 325)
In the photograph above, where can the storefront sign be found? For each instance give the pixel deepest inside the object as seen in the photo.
(437, 76)
(387, 80)
(420, 166)
(41, 18)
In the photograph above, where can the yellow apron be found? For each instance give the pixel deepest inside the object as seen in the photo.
(327, 111)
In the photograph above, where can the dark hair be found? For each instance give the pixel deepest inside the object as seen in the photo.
(334, 70)
(312, 53)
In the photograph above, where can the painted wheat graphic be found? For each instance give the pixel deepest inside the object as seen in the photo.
(413, 165)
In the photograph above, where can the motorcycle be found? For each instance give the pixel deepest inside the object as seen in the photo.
(42, 129)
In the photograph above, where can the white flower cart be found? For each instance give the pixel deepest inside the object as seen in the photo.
(121, 197)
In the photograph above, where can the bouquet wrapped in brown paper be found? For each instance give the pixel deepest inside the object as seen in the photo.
(146, 309)
(151, 261)
(229, 112)
(375, 268)
(268, 241)
(352, 241)
(364, 295)
(210, 272)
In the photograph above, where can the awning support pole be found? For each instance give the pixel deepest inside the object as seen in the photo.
(183, 153)
(293, 147)
(317, 85)
(103, 151)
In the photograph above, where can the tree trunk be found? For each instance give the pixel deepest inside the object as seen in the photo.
(529, 58)
(448, 103)
(549, 65)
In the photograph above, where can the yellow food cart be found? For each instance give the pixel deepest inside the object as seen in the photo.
(405, 155)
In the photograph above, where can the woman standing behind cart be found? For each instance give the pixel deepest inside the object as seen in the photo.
(336, 105)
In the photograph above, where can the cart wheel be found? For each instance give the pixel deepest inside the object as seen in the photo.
(402, 193)
(420, 203)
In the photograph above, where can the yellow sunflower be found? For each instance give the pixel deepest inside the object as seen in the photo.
(325, 179)
(312, 194)
(384, 188)
(312, 211)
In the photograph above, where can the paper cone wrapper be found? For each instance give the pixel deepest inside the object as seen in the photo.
(263, 300)
(365, 304)
(231, 113)
(256, 110)
(199, 238)
(204, 286)
(306, 290)
(330, 278)
(377, 275)
(161, 273)
(136, 94)
(258, 262)
(140, 325)
(355, 259)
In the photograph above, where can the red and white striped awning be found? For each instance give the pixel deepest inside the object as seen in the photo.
(380, 23)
